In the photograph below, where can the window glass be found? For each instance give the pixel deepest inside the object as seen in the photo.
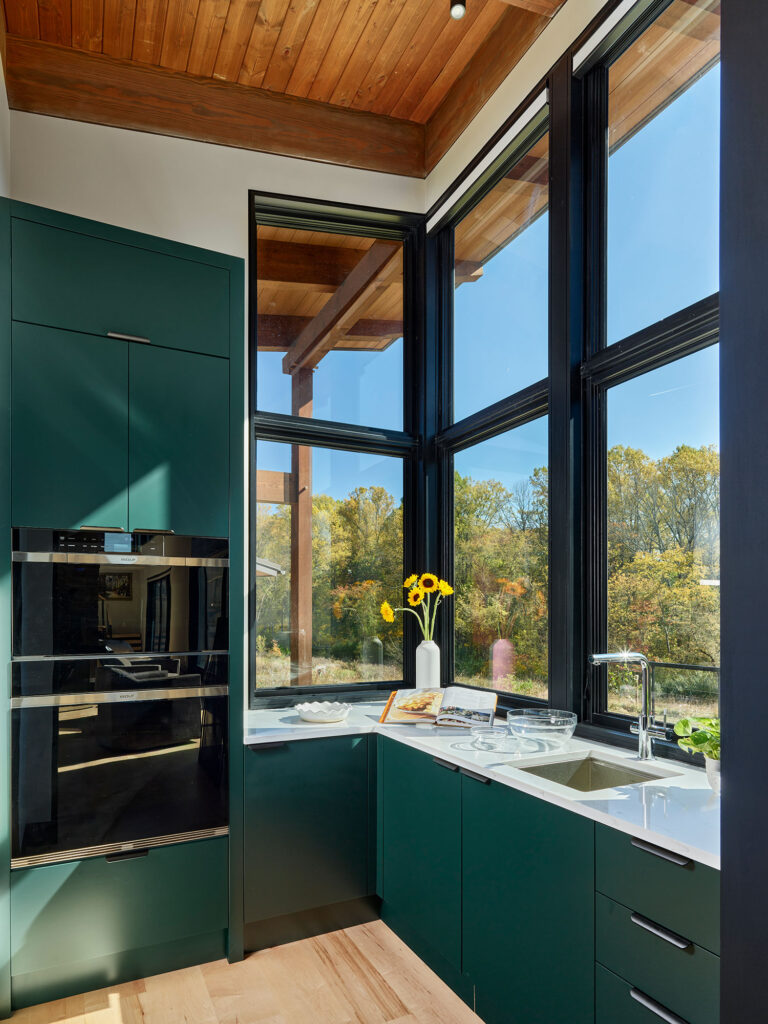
(663, 476)
(328, 550)
(500, 306)
(663, 168)
(501, 533)
(329, 326)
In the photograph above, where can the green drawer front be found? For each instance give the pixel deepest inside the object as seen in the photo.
(687, 981)
(85, 910)
(615, 1005)
(76, 281)
(684, 899)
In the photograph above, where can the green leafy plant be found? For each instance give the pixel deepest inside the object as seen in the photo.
(699, 736)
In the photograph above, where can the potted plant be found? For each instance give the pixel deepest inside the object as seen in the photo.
(425, 593)
(702, 736)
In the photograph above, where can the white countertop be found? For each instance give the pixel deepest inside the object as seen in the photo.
(677, 811)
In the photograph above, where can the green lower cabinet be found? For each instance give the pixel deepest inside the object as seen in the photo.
(179, 442)
(85, 924)
(420, 856)
(648, 957)
(527, 907)
(306, 825)
(69, 429)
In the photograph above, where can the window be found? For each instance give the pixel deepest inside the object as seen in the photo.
(663, 168)
(329, 550)
(501, 531)
(500, 306)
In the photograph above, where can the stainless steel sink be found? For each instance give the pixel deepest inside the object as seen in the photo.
(589, 774)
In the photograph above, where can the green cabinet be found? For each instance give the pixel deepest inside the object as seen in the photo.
(69, 429)
(85, 924)
(615, 1002)
(527, 907)
(79, 281)
(306, 825)
(420, 857)
(179, 426)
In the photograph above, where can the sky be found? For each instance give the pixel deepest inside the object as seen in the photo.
(663, 190)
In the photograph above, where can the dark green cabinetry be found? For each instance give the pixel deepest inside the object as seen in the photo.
(420, 820)
(527, 907)
(69, 429)
(85, 924)
(81, 282)
(306, 825)
(615, 1004)
(179, 474)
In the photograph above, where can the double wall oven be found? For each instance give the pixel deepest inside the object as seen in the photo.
(119, 693)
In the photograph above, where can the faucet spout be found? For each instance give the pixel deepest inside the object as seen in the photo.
(645, 729)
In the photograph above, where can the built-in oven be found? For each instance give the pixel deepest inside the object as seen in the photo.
(119, 692)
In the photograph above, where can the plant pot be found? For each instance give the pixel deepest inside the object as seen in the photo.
(713, 774)
(427, 665)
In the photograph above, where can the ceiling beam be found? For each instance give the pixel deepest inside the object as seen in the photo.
(317, 338)
(299, 263)
(273, 487)
(544, 7)
(46, 79)
(276, 332)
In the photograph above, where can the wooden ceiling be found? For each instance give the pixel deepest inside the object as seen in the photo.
(382, 84)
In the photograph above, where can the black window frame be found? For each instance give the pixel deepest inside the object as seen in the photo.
(269, 209)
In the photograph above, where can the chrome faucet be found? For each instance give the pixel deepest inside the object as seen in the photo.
(646, 729)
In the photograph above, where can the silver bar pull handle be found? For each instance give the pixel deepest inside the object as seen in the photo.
(446, 764)
(118, 336)
(662, 933)
(104, 529)
(658, 851)
(144, 529)
(650, 1004)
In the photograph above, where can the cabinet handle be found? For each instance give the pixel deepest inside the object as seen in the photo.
(663, 933)
(128, 337)
(658, 851)
(104, 529)
(144, 529)
(474, 775)
(446, 764)
(272, 745)
(654, 1007)
(128, 855)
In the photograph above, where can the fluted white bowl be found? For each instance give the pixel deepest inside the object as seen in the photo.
(323, 711)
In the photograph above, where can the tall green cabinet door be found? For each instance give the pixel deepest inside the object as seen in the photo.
(179, 442)
(528, 907)
(420, 837)
(69, 429)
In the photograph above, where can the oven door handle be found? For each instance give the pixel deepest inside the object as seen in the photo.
(58, 700)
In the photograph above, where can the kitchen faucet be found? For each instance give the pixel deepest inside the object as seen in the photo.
(646, 730)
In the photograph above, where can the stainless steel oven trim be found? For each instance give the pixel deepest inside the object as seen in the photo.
(117, 558)
(58, 700)
(111, 848)
(121, 655)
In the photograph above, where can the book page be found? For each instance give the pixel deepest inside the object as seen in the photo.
(407, 707)
(470, 699)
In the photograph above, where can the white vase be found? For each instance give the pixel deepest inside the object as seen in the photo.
(427, 665)
(713, 774)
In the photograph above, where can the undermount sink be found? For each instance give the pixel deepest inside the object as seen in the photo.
(590, 774)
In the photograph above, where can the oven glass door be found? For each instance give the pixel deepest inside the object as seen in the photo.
(103, 773)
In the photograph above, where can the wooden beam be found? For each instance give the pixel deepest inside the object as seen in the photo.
(544, 7)
(299, 263)
(276, 332)
(317, 337)
(55, 80)
(273, 488)
(491, 64)
(466, 271)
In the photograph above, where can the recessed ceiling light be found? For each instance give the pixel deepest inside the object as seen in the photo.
(458, 9)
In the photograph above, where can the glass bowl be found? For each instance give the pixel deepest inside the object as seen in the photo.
(490, 737)
(552, 727)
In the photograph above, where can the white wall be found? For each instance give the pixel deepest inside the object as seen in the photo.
(5, 141)
(186, 191)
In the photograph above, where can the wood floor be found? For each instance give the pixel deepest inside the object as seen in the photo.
(360, 975)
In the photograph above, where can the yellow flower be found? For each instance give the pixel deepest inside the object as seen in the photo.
(386, 612)
(428, 582)
(410, 581)
(416, 596)
(445, 588)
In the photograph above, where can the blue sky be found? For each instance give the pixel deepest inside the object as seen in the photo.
(662, 256)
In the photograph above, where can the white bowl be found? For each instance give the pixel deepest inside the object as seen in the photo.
(323, 711)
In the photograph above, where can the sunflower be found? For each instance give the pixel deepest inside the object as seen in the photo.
(386, 612)
(445, 588)
(428, 582)
(410, 581)
(415, 597)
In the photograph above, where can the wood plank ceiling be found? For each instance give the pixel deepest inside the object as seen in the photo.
(381, 84)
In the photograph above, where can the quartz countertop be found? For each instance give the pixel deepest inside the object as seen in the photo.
(677, 811)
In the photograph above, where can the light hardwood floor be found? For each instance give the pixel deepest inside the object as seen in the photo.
(360, 975)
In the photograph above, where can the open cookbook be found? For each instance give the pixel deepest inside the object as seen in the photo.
(455, 705)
